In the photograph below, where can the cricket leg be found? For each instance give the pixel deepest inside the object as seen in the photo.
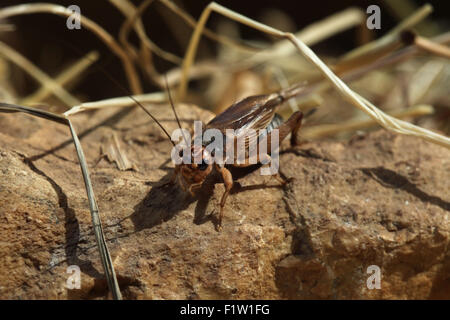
(265, 158)
(292, 125)
(194, 186)
(173, 178)
(281, 180)
(228, 183)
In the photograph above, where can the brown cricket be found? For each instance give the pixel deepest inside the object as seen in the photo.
(254, 112)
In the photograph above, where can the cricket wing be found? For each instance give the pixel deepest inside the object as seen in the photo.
(246, 118)
(254, 112)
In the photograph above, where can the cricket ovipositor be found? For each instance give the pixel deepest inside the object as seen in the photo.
(251, 114)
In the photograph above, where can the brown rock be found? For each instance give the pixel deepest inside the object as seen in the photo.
(380, 199)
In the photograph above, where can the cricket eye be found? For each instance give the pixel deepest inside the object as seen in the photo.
(202, 166)
(180, 153)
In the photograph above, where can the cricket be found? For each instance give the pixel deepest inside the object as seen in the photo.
(309, 168)
(256, 112)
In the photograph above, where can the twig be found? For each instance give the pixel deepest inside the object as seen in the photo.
(430, 46)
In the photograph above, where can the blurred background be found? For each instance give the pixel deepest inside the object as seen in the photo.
(45, 41)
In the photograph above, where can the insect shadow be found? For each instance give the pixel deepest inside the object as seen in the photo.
(391, 179)
(164, 200)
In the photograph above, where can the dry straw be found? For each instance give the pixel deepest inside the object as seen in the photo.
(354, 98)
(63, 78)
(96, 222)
(92, 26)
(46, 81)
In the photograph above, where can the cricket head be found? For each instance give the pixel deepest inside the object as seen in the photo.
(194, 174)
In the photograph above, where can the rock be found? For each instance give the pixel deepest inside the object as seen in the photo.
(380, 199)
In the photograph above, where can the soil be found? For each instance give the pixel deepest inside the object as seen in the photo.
(379, 199)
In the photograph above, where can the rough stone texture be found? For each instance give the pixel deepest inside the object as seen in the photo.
(380, 199)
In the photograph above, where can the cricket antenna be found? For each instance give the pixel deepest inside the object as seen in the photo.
(173, 109)
(137, 102)
(148, 112)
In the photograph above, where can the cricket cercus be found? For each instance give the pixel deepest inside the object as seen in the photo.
(252, 120)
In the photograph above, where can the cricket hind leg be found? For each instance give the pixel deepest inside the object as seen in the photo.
(292, 125)
(279, 176)
(282, 178)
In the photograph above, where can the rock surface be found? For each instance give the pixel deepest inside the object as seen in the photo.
(380, 199)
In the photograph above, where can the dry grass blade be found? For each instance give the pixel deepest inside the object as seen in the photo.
(324, 130)
(133, 19)
(382, 118)
(130, 71)
(313, 34)
(200, 70)
(393, 40)
(155, 97)
(99, 236)
(354, 98)
(392, 36)
(66, 76)
(46, 81)
(403, 8)
(349, 70)
(208, 33)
